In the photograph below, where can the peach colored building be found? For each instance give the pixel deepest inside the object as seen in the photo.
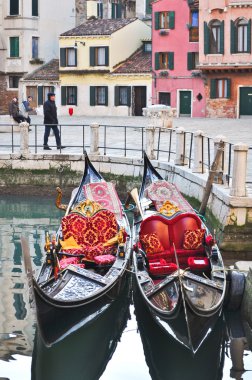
(176, 80)
(225, 56)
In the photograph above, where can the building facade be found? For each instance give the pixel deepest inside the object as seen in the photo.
(177, 82)
(29, 33)
(225, 57)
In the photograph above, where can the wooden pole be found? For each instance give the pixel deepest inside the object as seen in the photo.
(212, 172)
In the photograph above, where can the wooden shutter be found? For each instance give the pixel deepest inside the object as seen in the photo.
(148, 7)
(113, 10)
(206, 39)
(156, 61)
(222, 38)
(63, 57)
(92, 56)
(63, 95)
(34, 7)
(232, 37)
(249, 37)
(129, 96)
(14, 7)
(76, 55)
(228, 88)
(14, 46)
(171, 60)
(157, 25)
(119, 11)
(106, 55)
(106, 95)
(190, 61)
(171, 20)
(40, 95)
(92, 95)
(212, 88)
(117, 96)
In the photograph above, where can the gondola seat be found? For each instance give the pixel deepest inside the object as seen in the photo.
(90, 233)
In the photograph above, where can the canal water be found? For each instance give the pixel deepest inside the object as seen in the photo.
(123, 343)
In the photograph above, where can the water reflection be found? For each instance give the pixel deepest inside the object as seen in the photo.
(94, 352)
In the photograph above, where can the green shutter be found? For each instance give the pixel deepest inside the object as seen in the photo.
(106, 55)
(148, 7)
(232, 37)
(113, 10)
(157, 26)
(228, 88)
(52, 89)
(92, 56)
(76, 55)
(129, 96)
(212, 88)
(171, 60)
(190, 61)
(156, 61)
(119, 11)
(222, 38)
(63, 57)
(92, 95)
(14, 46)
(206, 39)
(249, 37)
(75, 95)
(14, 7)
(116, 96)
(34, 7)
(171, 20)
(63, 95)
(40, 95)
(106, 95)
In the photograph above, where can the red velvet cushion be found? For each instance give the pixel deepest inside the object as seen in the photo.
(104, 259)
(151, 243)
(198, 262)
(161, 267)
(70, 260)
(193, 238)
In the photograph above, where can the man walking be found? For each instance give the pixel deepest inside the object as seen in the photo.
(51, 121)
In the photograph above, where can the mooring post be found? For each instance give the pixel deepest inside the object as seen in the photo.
(238, 187)
(220, 164)
(94, 138)
(180, 147)
(150, 136)
(24, 139)
(198, 166)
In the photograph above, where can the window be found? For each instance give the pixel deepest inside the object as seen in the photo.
(148, 7)
(98, 96)
(240, 36)
(68, 57)
(69, 95)
(192, 60)
(165, 98)
(116, 10)
(14, 7)
(164, 20)
(147, 47)
(164, 60)
(13, 81)
(100, 10)
(14, 47)
(34, 7)
(220, 88)
(214, 37)
(194, 26)
(43, 92)
(122, 96)
(99, 56)
(35, 53)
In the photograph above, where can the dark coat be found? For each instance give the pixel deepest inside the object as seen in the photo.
(50, 112)
(13, 109)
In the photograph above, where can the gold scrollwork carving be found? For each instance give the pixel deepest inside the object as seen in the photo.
(168, 208)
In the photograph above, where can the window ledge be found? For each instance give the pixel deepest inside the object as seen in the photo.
(36, 61)
(14, 57)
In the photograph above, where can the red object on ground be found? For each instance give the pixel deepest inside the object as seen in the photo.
(70, 110)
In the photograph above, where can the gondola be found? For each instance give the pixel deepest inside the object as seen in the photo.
(85, 262)
(178, 266)
(85, 353)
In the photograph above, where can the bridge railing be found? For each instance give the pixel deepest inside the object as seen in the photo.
(192, 149)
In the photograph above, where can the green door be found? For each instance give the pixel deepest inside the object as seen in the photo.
(185, 103)
(245, 101)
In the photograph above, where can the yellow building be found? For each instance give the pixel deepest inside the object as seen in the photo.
(105, 68)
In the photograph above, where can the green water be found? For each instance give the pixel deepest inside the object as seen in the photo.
(124, 343)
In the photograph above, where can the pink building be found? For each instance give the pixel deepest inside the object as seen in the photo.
(176, 80)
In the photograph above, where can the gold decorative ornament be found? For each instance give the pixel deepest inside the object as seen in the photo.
(168, 208)
(87, 208)
(58, 200)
